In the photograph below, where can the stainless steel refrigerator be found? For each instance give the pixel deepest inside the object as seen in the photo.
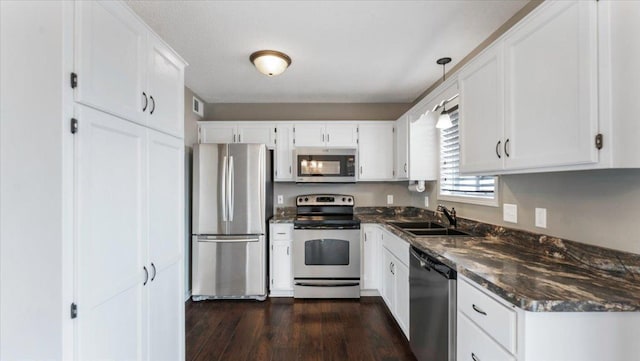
(232, 202)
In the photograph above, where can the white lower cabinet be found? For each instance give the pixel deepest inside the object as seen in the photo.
(475, 345)
(370, 257)
(281, 283)
(395, 278)
(129, 241)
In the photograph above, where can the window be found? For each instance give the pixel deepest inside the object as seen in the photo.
(453, 186)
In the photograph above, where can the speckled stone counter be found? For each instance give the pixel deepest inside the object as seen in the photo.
(534, 272)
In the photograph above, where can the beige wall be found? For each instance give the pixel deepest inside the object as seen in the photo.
(305, 111)
(596, 207)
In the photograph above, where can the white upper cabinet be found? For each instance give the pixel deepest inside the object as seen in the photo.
(481, 112)
(341, 135)
(217, 132)
(376, 151)
(123, 69)
(166, 89)
(110, 55)
(402, 148)
(551, 114)
(238, 132)
(284, 153)
(331, 134)
(529, 102)
(257, 132)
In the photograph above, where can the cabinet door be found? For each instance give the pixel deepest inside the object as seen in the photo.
(111, 229)
(166, 204)
(376, 151)
(284, 153)
(402, 296)
(473, 344)
(309, 134)
(551, 87)
(341, 135)
(218, 132)
(110, 57)
(388, 279)
(166, 89)
(166, 314)
(371, 261)
(402, 148)
(257, 133)
(281, 277)
(481, 115)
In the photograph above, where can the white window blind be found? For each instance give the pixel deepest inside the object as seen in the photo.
(451, 182)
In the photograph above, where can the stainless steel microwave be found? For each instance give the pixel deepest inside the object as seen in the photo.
(325, 165)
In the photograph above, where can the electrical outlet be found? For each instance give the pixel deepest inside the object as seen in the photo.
(541, 217)
(510, 213)
(426, 201)
(389, 198)
(280, 199)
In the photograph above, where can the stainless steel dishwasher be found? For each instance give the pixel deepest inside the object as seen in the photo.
(432, 295)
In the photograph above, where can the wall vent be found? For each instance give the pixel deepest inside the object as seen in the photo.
(198, 106)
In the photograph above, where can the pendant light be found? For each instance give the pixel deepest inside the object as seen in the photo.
(444, 121)
(270, 62)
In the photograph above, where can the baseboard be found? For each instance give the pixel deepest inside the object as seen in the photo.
(368, 293)
(187, 295)
(281, 293)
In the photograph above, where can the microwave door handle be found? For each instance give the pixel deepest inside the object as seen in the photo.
(223, 193)
(231, 195)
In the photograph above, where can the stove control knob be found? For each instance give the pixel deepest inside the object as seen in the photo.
(344, 199)
(349, 199)
(306, 199)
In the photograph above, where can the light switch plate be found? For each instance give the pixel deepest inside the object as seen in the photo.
(510, 213)
(426, 201)
(541, 217)
(389, 198)
(280, 199)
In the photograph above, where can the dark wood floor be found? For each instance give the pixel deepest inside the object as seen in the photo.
(284, 329)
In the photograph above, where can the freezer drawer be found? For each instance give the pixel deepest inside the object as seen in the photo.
(229, 267)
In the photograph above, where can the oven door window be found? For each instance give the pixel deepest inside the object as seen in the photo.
(326, 252)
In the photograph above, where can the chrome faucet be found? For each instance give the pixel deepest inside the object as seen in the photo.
(451, 215)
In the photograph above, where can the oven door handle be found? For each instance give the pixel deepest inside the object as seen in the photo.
(305, 284)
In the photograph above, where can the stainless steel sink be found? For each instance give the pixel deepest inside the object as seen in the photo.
(436, 232)
(417, 225)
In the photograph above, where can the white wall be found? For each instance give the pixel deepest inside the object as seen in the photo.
(33, 159)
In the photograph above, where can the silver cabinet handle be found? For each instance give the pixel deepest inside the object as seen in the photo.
(328, 139)
(474, 357)
(289, 169)
(287, 250)
(239, 138)
(479, 310)
(365, 237)
(360, 170)
(405, 167)
(154, 271)
(146, 275)
(234, 138)
(498, 149)
(506, 147)
(322, 137)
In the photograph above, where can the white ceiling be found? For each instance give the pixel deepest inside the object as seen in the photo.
(342, 51)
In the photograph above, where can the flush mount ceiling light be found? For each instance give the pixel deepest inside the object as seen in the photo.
(444, 121)
(270, 62)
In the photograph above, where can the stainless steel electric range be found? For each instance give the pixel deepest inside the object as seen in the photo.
(326, 247)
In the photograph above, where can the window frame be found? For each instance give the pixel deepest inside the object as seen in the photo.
(461, 198)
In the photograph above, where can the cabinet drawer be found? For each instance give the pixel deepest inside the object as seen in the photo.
(397, 246)
(281, 232)
(474, 345)
(497, 320)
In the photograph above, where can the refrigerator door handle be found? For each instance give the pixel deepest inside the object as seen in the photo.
(228, 239)
(223, 198)
(231, 194)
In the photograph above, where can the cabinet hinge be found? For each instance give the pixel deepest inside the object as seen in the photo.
(74, 311)
(74, 80)
(74, 125)
(599, 141)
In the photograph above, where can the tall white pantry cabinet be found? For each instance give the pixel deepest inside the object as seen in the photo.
(92, 216)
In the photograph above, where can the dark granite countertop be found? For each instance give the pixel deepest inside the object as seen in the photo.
(533, 272)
